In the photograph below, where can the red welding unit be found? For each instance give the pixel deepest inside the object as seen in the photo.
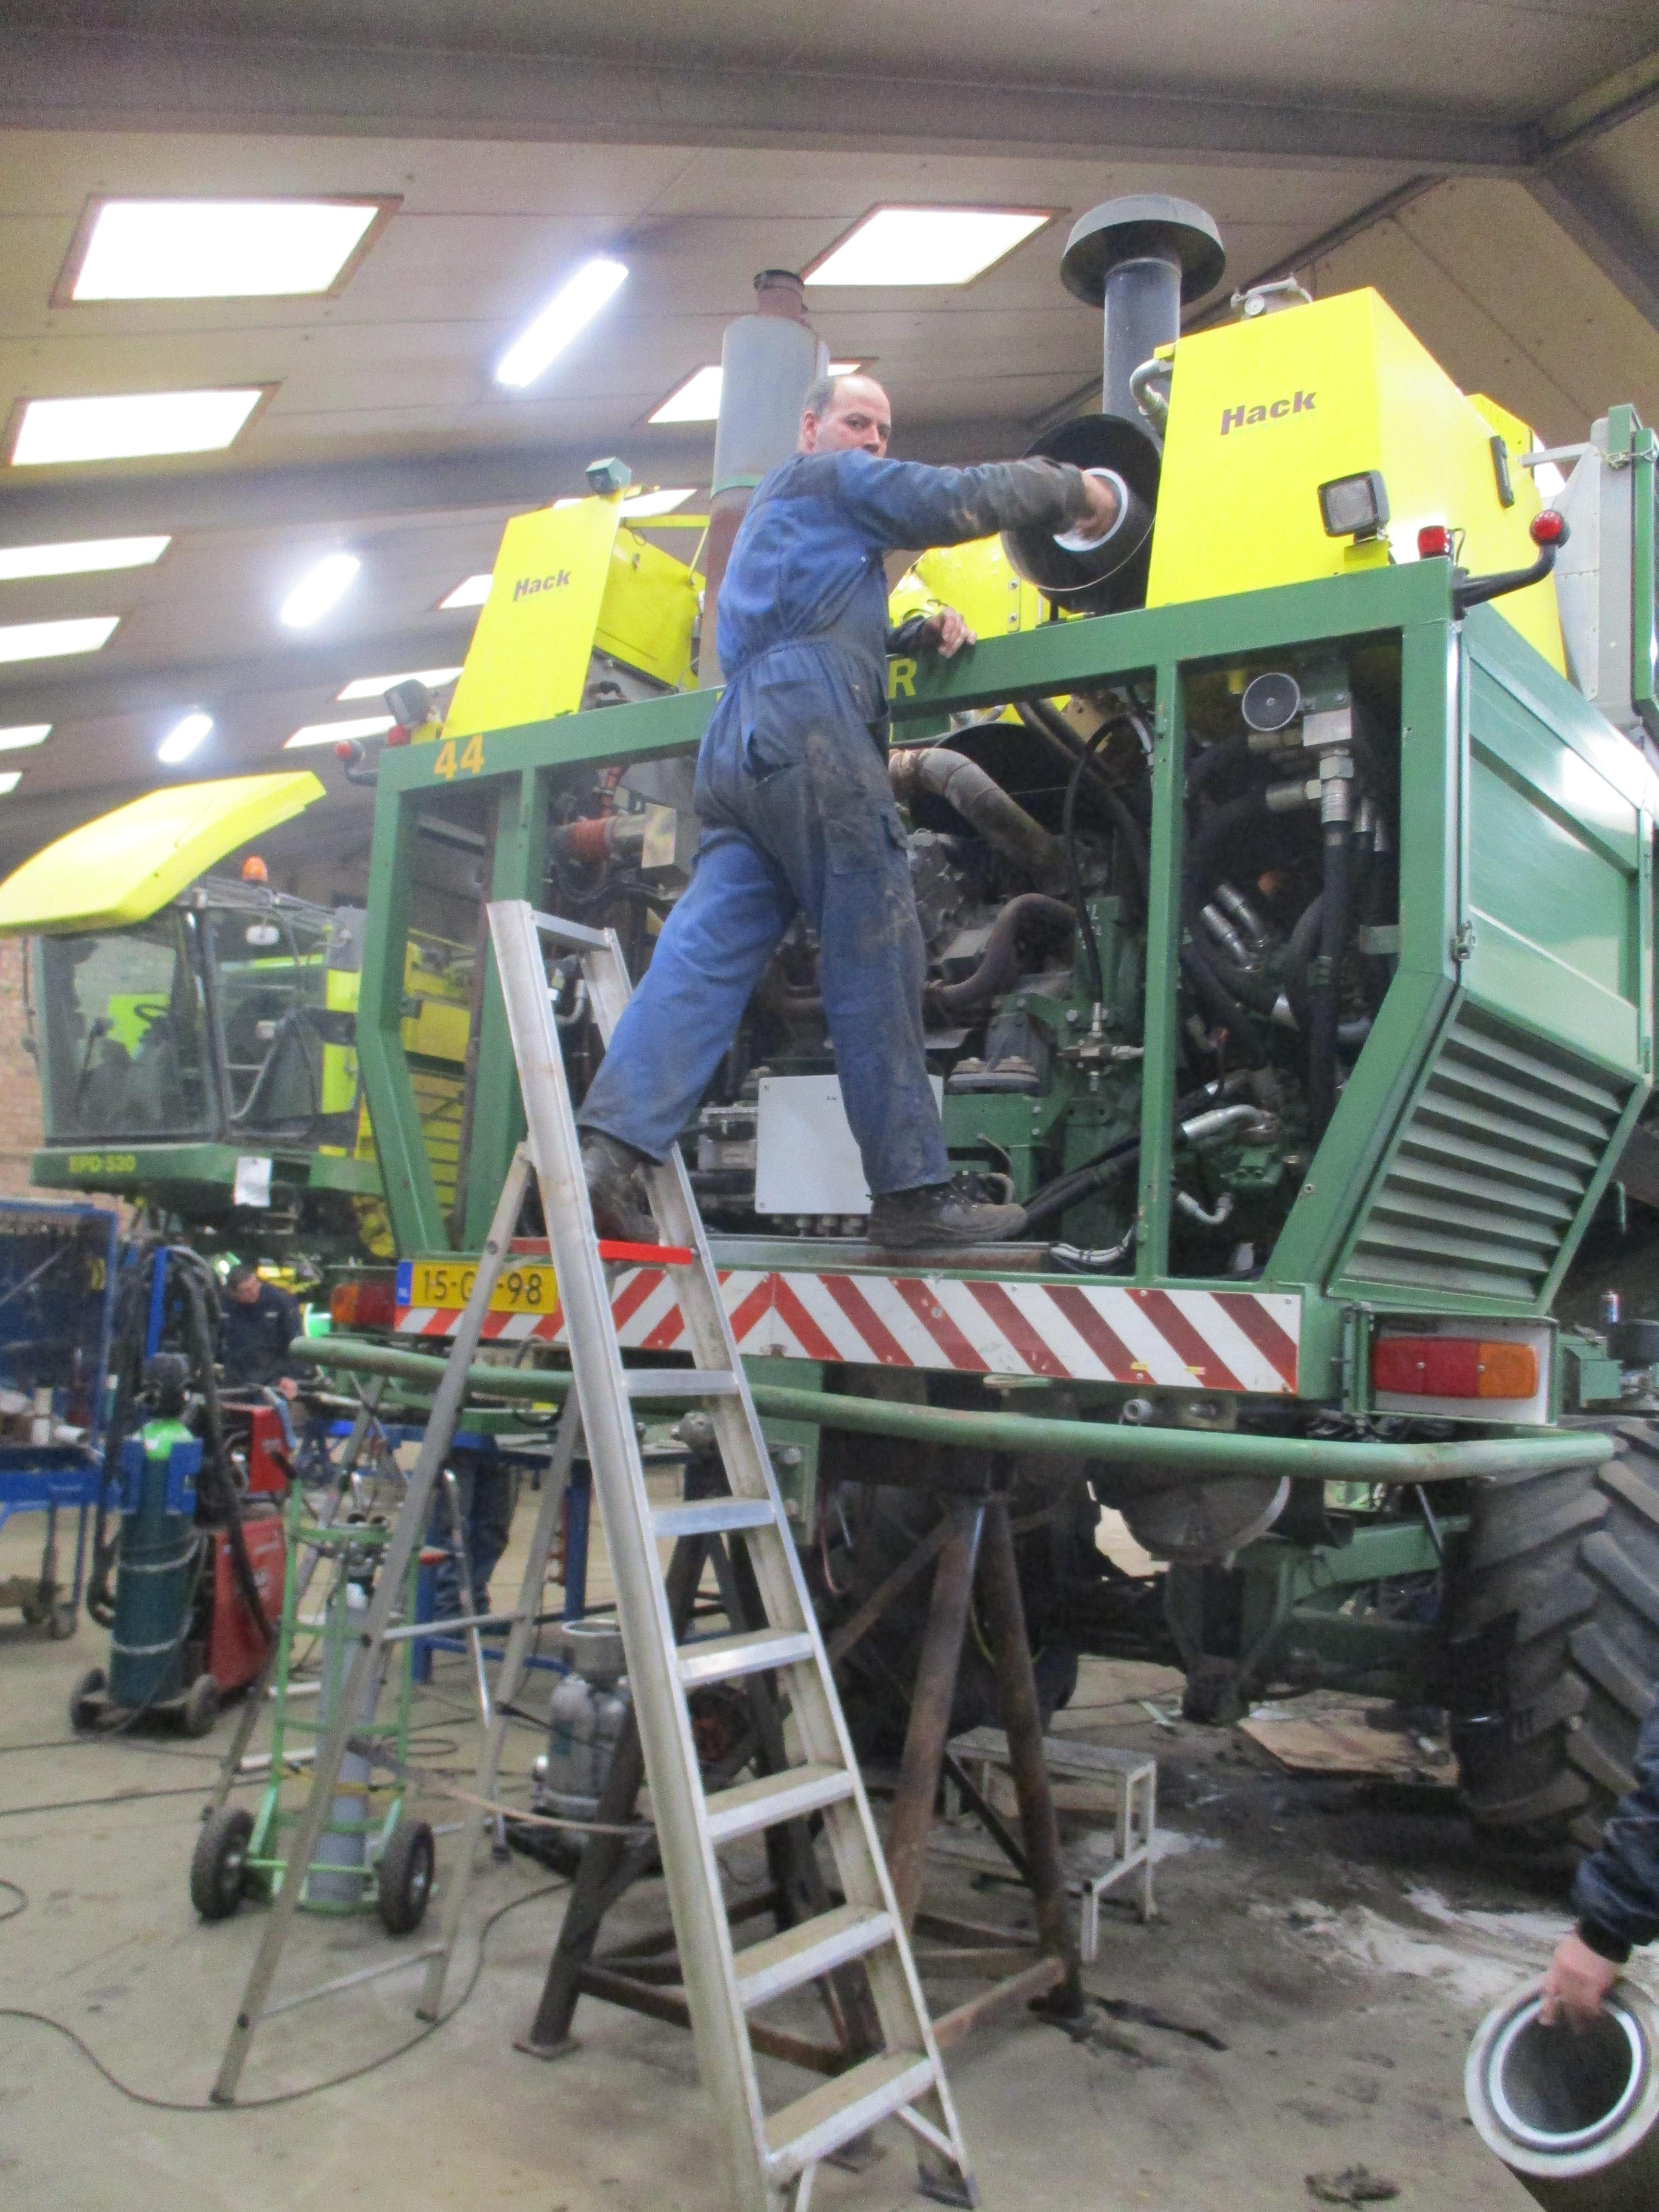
(236, 1650)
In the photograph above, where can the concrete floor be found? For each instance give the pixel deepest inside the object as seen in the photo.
(1302, 2006)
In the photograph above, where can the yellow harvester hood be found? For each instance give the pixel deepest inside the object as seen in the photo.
(121, 868)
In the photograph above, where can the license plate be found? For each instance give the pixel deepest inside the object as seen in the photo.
(527, 1286)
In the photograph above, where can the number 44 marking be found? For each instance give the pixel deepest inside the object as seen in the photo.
(471, 762)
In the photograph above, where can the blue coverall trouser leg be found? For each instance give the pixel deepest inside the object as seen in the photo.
(793, 823)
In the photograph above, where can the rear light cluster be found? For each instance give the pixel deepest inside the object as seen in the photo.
(1454, 1367)
(365, 1301)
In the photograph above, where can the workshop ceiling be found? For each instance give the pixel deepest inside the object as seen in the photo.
(1493, 168)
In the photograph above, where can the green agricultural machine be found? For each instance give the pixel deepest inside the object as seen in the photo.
(1286, 869)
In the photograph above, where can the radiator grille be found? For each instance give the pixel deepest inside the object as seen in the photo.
(1502, 1142)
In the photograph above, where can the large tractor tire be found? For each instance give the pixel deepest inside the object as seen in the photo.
(1553, 1624)
(877, 1676)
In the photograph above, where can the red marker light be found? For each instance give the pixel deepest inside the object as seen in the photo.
(1549, 528)
(398, 734)
(347, 749)
(1454, 1367)
(1434, 542)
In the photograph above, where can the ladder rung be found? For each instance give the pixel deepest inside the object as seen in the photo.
(718, 1658)
(713, 1516)
(801, 1955)
(825, 2119)
(571, 932)
(681, 1382)
(772, 1799)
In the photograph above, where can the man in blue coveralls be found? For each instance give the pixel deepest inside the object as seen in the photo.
(1615, 1895)
(798, 814)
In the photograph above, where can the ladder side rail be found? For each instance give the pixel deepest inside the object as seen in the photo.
(895, 1986)
(508, 1684)
(900, 2003)
(367, 1658)
(689, 1865)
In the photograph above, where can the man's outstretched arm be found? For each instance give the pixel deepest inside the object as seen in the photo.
(903, 503)
(1615, 1895)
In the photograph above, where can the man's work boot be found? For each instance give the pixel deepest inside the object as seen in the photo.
(613, 1188)
(932, 1218)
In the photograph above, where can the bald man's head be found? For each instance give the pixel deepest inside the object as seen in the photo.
(846, 414)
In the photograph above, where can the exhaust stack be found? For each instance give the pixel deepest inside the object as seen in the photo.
(1136, 259)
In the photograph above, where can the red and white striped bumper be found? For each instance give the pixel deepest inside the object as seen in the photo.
(1078, 1332)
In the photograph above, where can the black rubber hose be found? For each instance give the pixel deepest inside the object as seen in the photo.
(223, 1499)
(1256, 992)
(1074, 873)
(1325, 996)
(1208, 764)
(1089, 1174)
(1297, 953)
(1066, 1190)
(1000, 968)
(1039, 715)
(1204, 846)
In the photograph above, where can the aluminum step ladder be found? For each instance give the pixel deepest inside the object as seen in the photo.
(772, 2157)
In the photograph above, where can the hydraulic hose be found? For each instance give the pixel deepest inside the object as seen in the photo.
(1037, 714)
(1325, 993)
(1074, 873)
(1299, 952)
(983, 804)
(1000, 968)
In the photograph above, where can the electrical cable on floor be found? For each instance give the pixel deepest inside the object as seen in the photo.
(311, 2089)
(123, 1797)
(20, 1894)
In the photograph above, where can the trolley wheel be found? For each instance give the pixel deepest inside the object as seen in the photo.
(218, 1865)
(87, 1700)
(201, 1707)
(404, 1874)
(63, 1621)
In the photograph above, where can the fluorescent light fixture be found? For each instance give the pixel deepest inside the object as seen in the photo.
(9, 779)
(925, 244)
(45, 641)
(698, 399)
(218, 249)
(572, 308)
(334, 733)
(80, 558)
(376, 687)
(125, 425)
(24, 733)
(318, 590)
(470, 591)
(182, 739)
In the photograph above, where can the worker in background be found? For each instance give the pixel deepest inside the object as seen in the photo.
(485, 1493)
(798, 814)
(257, 1324)
(1615, 1895)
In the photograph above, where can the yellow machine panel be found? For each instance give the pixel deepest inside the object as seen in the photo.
(649, 613)
(568, 579)
(528, 659)
(1262, 413)
(123, 868)
(978, 580)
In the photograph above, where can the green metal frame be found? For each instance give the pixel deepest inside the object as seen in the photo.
(1443, 961)
(266, 1864)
